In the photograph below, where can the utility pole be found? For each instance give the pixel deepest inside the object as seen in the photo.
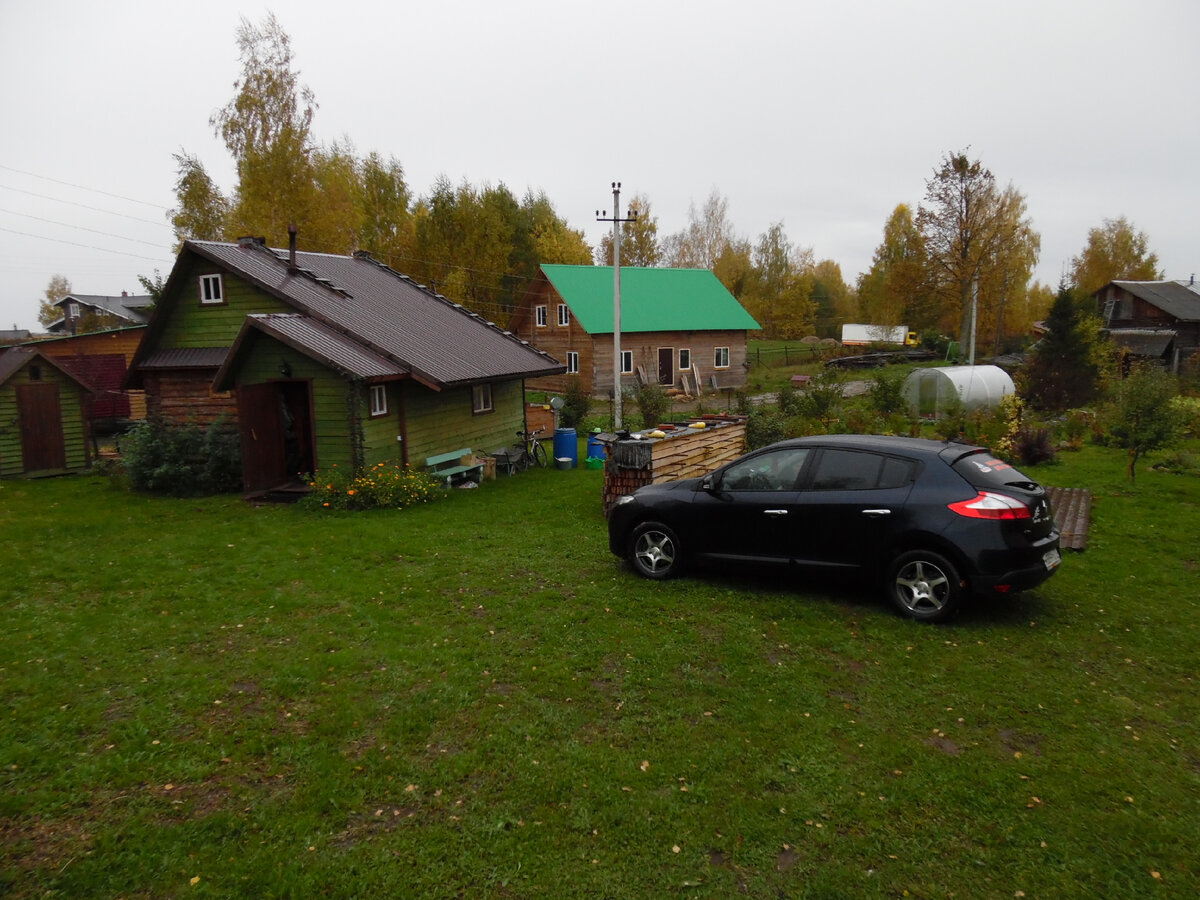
(616, 220)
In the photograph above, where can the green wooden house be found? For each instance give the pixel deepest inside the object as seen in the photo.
(43, 416)
(679, 327)
(323, 359)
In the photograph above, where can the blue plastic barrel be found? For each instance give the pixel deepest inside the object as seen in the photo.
(595, 449)
(566, 445)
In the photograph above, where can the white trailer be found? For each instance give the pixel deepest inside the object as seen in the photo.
(858, 335)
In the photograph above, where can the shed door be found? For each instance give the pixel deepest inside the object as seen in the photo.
(666, 365)
(40, 416)
(261, 427)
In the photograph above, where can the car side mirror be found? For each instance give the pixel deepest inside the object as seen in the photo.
(707, 484)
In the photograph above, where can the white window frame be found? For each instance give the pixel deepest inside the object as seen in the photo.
(626, 362)
(540, 317)
(564, 315)
(212, 289)
(572, 362)
(685, 359)
(72, 310)
(719, 354)
(481, 399)
(379, 402)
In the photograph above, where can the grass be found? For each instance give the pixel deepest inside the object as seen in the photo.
(474, 699)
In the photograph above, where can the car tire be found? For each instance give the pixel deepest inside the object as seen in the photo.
(655, 551)
(924, 586)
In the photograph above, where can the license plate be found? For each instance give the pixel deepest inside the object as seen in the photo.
(1051, 558)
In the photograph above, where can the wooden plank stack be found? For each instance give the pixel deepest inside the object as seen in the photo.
(686, 452)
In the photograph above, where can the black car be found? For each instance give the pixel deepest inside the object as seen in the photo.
(933, 520)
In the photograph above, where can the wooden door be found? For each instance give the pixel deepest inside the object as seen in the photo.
(40, 415)
(666, 365)
(261, 426)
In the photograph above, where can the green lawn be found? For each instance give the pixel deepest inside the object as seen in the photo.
(203, 698)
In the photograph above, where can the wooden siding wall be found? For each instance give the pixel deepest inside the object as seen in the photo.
(187, 396)
(74, 426)
(124, 341)
(439, 422)
(193, 324)
(328, 395)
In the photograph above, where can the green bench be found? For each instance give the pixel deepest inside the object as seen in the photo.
(448, 467)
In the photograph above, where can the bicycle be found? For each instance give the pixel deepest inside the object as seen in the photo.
(528, 452)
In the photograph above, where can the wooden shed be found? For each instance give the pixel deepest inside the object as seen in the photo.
(43, 416)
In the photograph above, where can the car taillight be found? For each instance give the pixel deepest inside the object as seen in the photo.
(986, 505)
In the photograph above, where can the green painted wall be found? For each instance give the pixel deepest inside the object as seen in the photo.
(439, 422)
(70, 402)
(192, 324)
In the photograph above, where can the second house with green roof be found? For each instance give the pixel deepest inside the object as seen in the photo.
(679, 328)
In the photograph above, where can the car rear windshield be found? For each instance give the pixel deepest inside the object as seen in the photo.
(982, 470)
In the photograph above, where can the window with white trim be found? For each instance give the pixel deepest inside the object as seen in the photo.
(721, 358)
(481, 398)
(379, 406)
(211, 289)
(572, 362)
(685, 360)
(540, 315)
(72, 310)
(564, 314)
(626, 362)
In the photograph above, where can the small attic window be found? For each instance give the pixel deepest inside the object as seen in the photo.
(72, 310)
(211, 289)
(35, 373)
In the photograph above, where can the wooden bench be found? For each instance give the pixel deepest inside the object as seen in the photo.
(449, 468)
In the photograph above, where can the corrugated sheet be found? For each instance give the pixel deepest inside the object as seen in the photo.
(1179, 300)
(437, 340)
(185, 358)
(322, 343)
(651, 299)
(1142, 342)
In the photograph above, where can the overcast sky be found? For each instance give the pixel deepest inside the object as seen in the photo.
(824, 115)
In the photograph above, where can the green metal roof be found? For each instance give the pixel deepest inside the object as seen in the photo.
(651, 299)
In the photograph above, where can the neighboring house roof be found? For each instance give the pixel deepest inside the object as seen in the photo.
(131, 308)
(315, 340)
(13, 336)
(12, 359)
(1141, 341)
(651, 299)
(419, 333)
(1176, 298)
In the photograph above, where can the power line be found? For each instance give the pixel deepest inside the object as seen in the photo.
(83, 188)
(107, 212)
(78, 227)
(41, 237)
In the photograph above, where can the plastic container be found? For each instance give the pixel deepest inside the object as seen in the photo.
(563, 463)
(594, 462)
(566, 446)
(595, 449)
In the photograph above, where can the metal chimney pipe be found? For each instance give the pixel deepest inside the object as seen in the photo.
(292, 229)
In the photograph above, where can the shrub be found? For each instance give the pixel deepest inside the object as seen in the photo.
(182, 459)
(1141, 416)
(822, 398)
(885, 392)
(576, 406)
(764, 426)
(1033, 445)
(382, 486)
(653, 404)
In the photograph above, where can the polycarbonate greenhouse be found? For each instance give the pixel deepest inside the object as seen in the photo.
(931, 392)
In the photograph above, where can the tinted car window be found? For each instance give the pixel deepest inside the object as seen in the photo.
(854, 470)
(775, 471)
(982, 470)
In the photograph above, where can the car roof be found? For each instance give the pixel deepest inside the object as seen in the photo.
(882, 443)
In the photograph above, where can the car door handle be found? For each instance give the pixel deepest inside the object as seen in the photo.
(876, 513)
(775, 512)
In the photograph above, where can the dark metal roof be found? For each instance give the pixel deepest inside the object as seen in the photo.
(440, 342)
(315, 340)
(185, 358)
(1173, 297)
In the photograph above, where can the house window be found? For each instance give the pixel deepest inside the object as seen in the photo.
(211, 289)
(626, 362)
(572, 362)
(541, 315)
(721, 358)
(72, 310)
(481, 398)
(564, 314)
(379, 400)
(685, 360)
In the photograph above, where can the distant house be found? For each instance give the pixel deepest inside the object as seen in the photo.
(679, 327)
(323, 359)
(91, 312)
(101, 359)
(1153, 319)
(13, 336)
(43, 418)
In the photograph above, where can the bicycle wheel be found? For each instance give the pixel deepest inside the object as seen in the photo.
(539, 455)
